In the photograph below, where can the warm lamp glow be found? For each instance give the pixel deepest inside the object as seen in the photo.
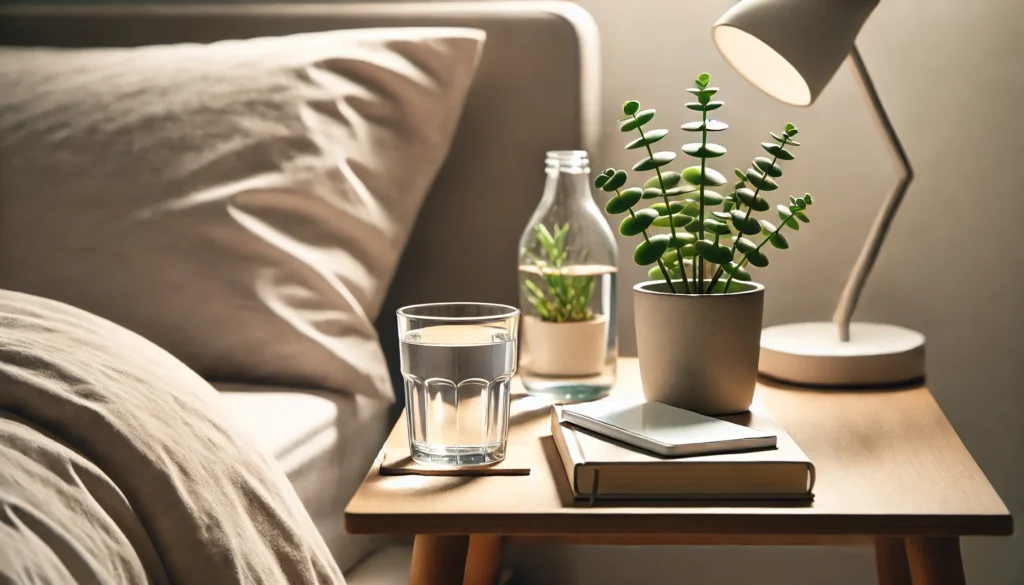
(762, 66)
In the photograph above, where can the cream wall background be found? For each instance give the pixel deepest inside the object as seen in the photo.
(951, 76)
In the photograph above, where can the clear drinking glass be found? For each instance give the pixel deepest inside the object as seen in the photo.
(457, 362)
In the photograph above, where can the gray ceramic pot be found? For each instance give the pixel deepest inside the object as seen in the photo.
(699, 352)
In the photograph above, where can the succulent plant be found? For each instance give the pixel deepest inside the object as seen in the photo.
(558, 295)
(707, 231)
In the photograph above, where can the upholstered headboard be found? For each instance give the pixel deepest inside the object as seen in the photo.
(536, 90)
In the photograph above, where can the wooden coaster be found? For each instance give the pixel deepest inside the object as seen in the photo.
(396, 461)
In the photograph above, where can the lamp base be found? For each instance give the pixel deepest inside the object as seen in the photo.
(811, 354)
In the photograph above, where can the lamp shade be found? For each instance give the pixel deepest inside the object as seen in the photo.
(790, 49)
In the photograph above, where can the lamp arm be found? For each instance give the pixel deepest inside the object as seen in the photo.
(866, 260)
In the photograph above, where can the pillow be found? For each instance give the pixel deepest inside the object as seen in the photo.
(117, 460)
(242, 204)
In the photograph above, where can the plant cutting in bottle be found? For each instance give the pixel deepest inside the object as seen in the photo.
(707, 232)
(557, 295)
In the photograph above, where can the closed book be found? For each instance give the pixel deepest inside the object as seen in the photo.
(600, 468)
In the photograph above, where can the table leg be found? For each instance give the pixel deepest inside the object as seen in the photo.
(891, 561)
(483, 562)
(935, 561)
(438, 559)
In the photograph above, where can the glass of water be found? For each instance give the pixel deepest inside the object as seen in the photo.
(457, 362)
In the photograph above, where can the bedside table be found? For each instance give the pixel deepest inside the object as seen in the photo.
(891, 473)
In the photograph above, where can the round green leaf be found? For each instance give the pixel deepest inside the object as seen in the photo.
(617, 180)
(681, 239)
(631, 107)
(800, 215)
(755, 202)
(757, 258)
(710, 126)
(740, 175)
(711, 177)
(693, 227)
(655, 273)
(673, 207)
(764, 184)
(716, 226)
(712, 198)
(735, 271)
(765, 165)
(652, 193)
(660, 159)
(722, 215)
(669, 178)
(791, 130)
(745, 224)
(712, 252)
(600, 181)
(744, 245)
(807, 198)
(649, 251)
(649, 137)
(691, 207)
(675, 220)
(621, 203)
(637, 121)
(777, 151)
(779, 241)
(787, 217)
(703, 79)
(634, 225)
(699, 107)
(709, 150)
(688, 251)
(767, 227)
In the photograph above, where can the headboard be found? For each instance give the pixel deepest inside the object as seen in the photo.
(537, 89)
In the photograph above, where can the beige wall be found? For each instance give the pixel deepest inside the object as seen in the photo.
(951, 74)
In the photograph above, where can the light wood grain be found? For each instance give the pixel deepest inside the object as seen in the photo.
(935, 561)
(483, 562)
(697, 539)
(891, 561)
(888, 463)
(438, 559)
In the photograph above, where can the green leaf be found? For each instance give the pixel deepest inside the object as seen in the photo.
(744, 245)
(675, 220)
(649, 251)
(765, 165)
(660, 159)
(791, 130)
(600, 181)
(798, 203)
(703, 79)
(649, 137)
(637, 121)
(800, 215)
(654, 273)
(740, 175)
(711, 177)
(680, 240)
(716, 226)
(617, 180)
(673, 207)
(787, 217)
(652, 193)
(712, 198)
(704, 107)
(779, 241)
(755, 202)
(688, 251)
(767, 227)
(713, 252)
(634, 225)
(757, 258)
(629, 108)
(693, 227)
(703, 93)
(807, 198)
(709, 150)
(670, 179)
(735, 271)
(691, 207)
(622, 202)
(764, 184)
(778, 138)
(722, 215)
(777, 151)
(745, 224)
(710, 126)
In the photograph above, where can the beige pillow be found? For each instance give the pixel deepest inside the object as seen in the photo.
(242, 204)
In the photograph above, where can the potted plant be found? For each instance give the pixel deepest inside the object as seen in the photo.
(562, 336)
(698, 321)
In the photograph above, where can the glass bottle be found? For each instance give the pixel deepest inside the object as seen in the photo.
(567, 287)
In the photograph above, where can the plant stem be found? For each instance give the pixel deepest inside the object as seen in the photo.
(664, 271)
(743, 260)
(699, 265)
(668, 207)
(746, 218)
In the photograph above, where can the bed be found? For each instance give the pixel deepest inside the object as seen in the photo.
(536, 89)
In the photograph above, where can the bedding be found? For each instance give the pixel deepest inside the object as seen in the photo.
(120, 466)
(242, 204)
(324, 442)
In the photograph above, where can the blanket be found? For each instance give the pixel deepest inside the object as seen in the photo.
(118, 466)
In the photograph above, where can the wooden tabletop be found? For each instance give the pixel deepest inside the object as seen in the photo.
(888, 463)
